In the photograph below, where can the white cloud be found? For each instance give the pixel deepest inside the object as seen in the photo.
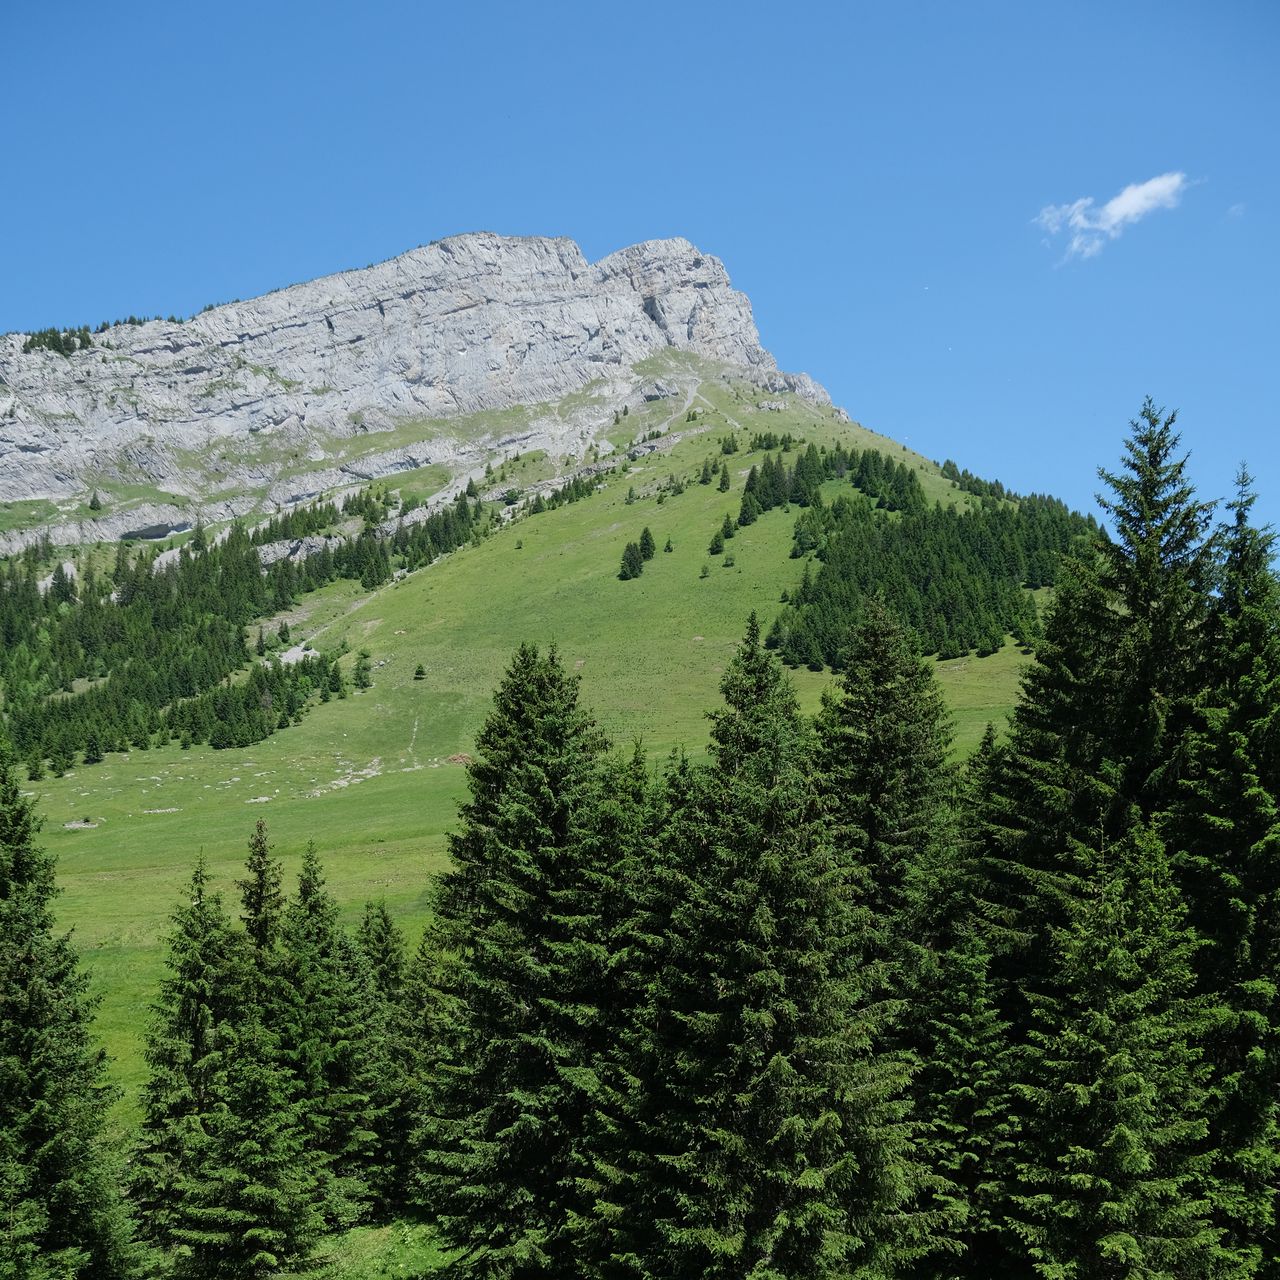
(1090, 227)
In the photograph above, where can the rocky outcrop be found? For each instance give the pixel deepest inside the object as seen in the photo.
(242, 394)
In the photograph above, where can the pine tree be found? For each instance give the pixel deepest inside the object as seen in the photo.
(329, 1045)
(1101, 724)
(883, 741)
(520, 947)
(963, 1105)
(1113, 1090)
(362, 671)
(262, 898)
(748, 1153)
(202, 1000)
(647, 545)
(632, 562)
(248, 1207)
(1157, 569)
(883, 737)
(724, 477)
(1225, 823)
(383, 944)
(60, 1211)
(397, 1051)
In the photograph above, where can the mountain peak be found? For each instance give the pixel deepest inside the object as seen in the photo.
(467, 324)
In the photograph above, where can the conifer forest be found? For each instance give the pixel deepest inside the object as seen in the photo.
(825, 1002)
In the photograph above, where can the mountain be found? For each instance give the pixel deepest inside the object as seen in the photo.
(252, 405)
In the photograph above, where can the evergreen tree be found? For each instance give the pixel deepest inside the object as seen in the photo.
(883, 740)
(330, 1044)
(1225, 823)
(382, 942)
(362, 671)
(202, 1000)
(60, 1211)
(1108, 1182)
(724, 477)
(248, 1207)
(647, 545)
(1101, 723)
(963, 1107)
(262, 898)
(632, 562)
(765, 1131)
(519, 936)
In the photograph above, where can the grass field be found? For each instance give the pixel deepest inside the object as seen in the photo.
(375, 778)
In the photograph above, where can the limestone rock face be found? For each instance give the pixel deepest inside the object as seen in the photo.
(474, 322)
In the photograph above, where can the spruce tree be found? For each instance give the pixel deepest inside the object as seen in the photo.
(647, 545)
(765, 1131)
(1101, 724)
(521, 951)
(1109, 1182)
(262, 898)
(1225, 825)
(61, 1214)
(202, 1000)
(883, 737)
(383, 944)
(329, 1044)
(247, 1207)
(632, 562)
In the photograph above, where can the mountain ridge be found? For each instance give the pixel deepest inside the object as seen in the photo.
(468, 324)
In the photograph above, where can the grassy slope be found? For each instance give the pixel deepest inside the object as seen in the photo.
(369, 778)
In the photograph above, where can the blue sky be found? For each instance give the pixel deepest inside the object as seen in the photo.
(990, 229)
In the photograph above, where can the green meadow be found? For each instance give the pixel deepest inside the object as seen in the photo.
(374, 778)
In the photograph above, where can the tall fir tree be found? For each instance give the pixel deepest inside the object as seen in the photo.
(766, 1133)
(382, 942)
(883, 737)
(188, 1045)
(331, 1045)
(1099, 730)
(510, 1094)
(1110, 1181)
(1224, 824)
(262, 898)
(248, 1207)
(61, 1214)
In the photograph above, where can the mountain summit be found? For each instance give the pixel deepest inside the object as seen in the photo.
(256, 393)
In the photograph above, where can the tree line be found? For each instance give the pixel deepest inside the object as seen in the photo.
(142, 655)
(824, 1004)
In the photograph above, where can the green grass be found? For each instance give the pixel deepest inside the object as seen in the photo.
(398, 1251)
(370, 777)
(27, 513)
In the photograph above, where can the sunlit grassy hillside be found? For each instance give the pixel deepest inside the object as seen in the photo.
(374, 778)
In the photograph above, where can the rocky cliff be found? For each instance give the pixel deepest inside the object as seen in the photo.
(472, 323)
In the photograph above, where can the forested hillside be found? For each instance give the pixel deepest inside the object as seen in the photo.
(822, 1002)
